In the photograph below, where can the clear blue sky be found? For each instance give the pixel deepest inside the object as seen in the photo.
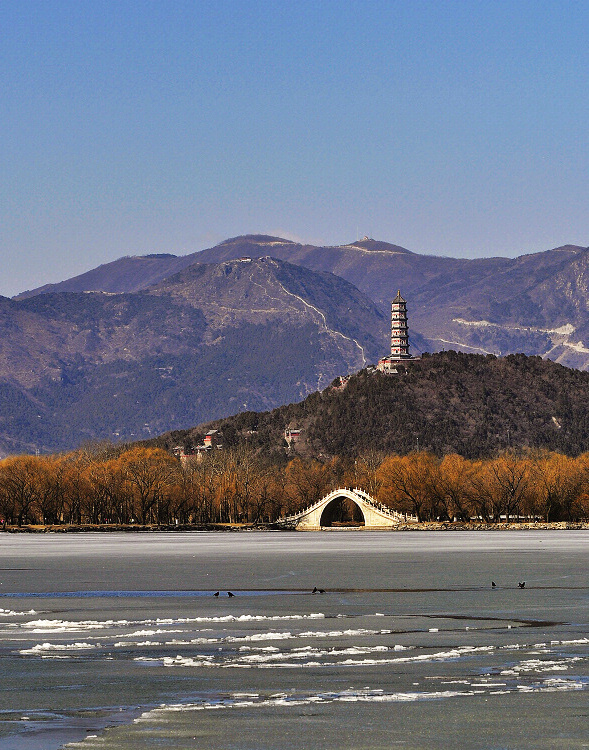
(456, 127)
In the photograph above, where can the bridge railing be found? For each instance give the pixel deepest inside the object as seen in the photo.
(384, 509)
(308, 509)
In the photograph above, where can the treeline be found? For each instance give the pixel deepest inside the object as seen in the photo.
(142, 485)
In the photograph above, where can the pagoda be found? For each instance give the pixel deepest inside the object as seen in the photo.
(399, 337)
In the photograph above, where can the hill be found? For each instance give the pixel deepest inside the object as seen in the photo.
(376, 268)
(209, 341)
(448, 402)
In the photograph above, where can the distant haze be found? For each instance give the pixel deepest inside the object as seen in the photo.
(448, 128)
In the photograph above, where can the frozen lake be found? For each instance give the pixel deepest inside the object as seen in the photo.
(116, 641)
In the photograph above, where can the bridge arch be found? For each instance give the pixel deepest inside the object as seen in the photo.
(374, 514)
(343, 509)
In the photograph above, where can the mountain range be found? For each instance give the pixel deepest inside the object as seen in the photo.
(146, 344)
(535, 304)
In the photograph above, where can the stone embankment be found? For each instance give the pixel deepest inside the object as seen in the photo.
(424, 526)
(75, 528)
(471, 526)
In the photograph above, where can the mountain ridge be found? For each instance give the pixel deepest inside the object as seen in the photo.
(536, 303)
(130, 273)
(210, 340)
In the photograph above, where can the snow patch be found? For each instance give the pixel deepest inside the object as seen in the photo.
(12, 613)
(565, 330)
(44, 647)
(578, 347)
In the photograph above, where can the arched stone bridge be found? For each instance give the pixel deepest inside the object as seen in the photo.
(375, 515)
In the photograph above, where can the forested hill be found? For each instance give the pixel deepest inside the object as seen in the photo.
(474, 405)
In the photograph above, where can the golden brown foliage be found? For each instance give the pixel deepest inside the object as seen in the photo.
(149, 486)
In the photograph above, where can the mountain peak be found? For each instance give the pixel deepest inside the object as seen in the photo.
(376, 246)
(569, 249)
(256, 239)
(562, 249)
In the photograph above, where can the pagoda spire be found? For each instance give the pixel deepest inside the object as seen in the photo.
(399, 328)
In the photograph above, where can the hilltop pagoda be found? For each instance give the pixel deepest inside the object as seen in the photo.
(399, 337)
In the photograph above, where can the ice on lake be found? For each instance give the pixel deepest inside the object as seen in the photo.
(116, 640)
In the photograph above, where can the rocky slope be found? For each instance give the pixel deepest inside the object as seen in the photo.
(535, 304)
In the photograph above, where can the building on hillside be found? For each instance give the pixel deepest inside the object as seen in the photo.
(399, 338)
(292, 435)
(340, 382)
(212, 440)
(184, 454)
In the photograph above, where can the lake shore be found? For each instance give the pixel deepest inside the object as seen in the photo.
(424, 526)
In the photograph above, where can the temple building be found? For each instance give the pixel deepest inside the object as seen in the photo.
(399, 337)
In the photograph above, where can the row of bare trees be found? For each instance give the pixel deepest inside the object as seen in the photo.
(547, 486)
(140, 485)
(149, 486)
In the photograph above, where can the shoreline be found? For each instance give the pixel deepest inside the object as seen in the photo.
(226, 527)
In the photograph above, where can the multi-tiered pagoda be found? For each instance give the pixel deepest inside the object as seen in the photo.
(399, 337)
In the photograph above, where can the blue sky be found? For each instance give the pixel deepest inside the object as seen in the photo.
(455, 128)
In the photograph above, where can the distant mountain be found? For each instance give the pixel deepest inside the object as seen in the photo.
(448, 402)
(266, 290)
(208, 341)
(129, 274)
(535, 304)
(376, 268)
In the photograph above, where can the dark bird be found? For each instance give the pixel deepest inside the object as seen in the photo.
(321, 591)
(315, 590)
(230, 594)
(216, 593)
(493, 584)
(522, 584)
